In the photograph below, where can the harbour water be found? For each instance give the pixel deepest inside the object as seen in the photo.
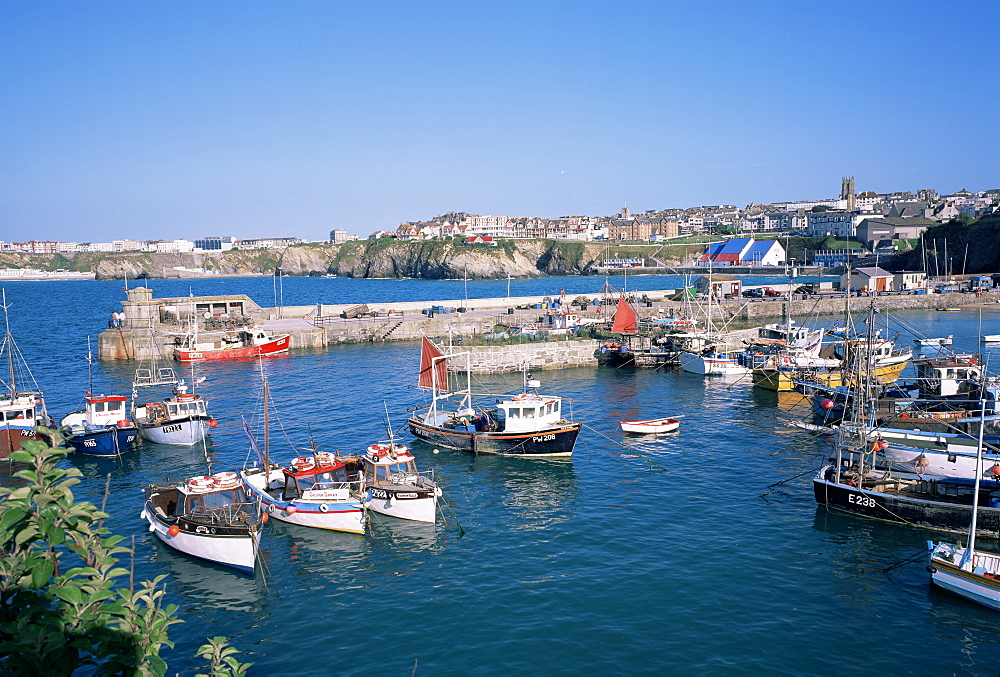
(606, 562)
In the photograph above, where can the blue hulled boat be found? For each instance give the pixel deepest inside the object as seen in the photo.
(101, 428)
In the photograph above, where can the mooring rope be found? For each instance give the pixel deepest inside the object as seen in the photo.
(625, 447)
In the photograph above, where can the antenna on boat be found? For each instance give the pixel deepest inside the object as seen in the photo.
(8, 343)
(90, 368)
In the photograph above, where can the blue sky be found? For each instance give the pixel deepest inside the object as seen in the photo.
(183, 119)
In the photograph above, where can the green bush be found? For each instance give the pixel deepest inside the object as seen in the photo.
(60, 609)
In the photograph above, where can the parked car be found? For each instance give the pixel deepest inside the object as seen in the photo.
(768, 291)
(806, 289)
(755, 293)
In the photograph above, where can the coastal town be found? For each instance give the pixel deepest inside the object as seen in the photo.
(876, 222)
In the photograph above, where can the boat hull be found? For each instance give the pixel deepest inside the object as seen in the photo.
(934, 514)
(109, 441)
(183, 433)
(331, 515)
(406, 503)
(12, 436)
(786, 380)
(551, 442)
(278, 346)
(707, 365)
(972, 586)
(234, 550)
(650, 427)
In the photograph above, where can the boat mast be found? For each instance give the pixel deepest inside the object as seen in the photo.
(90, 368)
(9, 342)
(267, 432)
(967, 559)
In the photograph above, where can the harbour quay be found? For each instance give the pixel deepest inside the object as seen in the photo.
(149, 325)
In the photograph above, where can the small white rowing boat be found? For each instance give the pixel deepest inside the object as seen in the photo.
(991, 338)
(944, 341)
(653, 425)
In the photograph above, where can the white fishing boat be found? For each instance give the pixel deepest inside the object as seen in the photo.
(320, 490)
(968, 572)
(713, 363)
(22, 408)
(651, 426)
(394, 487)
(180, 418)
(991, 338)
(942, 341)
(206, 517)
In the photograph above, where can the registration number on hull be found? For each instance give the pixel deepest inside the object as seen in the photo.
(861, 500)
(543, 438)
(172, 428)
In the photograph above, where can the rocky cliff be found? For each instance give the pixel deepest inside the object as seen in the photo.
(434, 259)
(971, 249)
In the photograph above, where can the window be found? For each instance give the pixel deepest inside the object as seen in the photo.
(515, 412)
(98, 407)
(115, 406)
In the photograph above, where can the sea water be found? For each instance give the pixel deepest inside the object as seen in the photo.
(699, 551)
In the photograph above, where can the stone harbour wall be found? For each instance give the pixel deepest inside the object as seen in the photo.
(532, 356)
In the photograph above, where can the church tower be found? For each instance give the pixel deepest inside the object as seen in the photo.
(847, 193)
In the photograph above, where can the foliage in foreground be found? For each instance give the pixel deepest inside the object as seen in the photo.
(59, 607)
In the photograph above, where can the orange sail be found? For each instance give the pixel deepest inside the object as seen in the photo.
(625, 319)
(433, 367)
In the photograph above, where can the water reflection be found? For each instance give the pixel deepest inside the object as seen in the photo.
(206, 584)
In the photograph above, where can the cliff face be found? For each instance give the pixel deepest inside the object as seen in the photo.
(369, 259)
(973, 249)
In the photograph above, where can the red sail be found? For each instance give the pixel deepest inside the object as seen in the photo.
(625, 319)
(433, 367)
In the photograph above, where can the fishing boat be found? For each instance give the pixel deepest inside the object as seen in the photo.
(102, 427)
(948, 309)
(710, 360)
(991, 338)
(943, 341)
(651, 426)
(180, 418)
(619, 353)
(207, 517)
(319, 490)
(714, 363)
(394, 487)
(236, 344)
(857, 480)
(524, 424)
(22, 408)
(968, 572)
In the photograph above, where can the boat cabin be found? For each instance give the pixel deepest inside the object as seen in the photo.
(791, 335)
(326, 482)
(18, 408)
(944, 377)
(529, 412)
(383, 464)
(105, 409)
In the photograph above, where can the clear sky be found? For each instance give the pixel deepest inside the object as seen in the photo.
(153, 119)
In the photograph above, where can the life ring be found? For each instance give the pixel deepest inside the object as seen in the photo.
(520, 397)
(303, 462)
(185, 396)
(378, 450)
(323, 507)
(226, 480)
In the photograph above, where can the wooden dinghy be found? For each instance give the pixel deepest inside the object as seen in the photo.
(652, 425)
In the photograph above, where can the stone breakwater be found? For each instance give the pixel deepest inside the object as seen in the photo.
(528, 356)
(152, 325)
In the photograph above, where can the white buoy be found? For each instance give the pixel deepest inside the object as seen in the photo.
(437, 451)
